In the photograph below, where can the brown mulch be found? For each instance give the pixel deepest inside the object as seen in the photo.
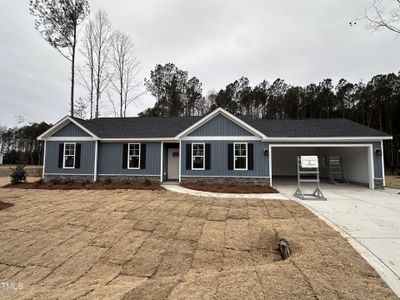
(101, 185)
(4, 205)
(230, 188)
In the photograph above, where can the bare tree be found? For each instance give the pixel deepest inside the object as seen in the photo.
(97, 46)
(125, 69)
(87, 72)
(80, 108)
(378, 17)
(57, 21)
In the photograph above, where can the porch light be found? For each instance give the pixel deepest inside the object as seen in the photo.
(266, 152)
(378, 152)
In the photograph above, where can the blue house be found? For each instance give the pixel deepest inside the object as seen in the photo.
(218, 147)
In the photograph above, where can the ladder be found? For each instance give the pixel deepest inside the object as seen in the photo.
(335, 168)
(310, 175)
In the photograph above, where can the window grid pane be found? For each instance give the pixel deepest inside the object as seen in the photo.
(198, 156)
(240, 156)
(134, 156)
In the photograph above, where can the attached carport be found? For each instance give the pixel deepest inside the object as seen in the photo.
(357, 160)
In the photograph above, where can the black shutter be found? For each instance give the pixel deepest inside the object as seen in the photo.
(188, 156)
(124, 156)
(230, 156)
(250, 157)
(208, 157)
(143, 156)
(78, 156)
(60, 155)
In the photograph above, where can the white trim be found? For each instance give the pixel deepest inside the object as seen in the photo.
(73, 166)
(270, 164)
(179, 162)
(220, 138)
(95, 162)
(383, 166)
(368, 146)
(332, 139)
(203, 156)
(228, 115)
(44, 158)
(161, 159)
(68, 174)
(128, 159)
(111, 140)
(222, 176)
(130, 175)
(62, 123)
(234, 156)
(71, 138)
(371, 168)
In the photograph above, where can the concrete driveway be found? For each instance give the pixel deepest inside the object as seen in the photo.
(369, 219)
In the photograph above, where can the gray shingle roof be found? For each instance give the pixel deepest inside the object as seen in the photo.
(163, 127)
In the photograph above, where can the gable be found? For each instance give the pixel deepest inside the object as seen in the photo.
(220, 126)
(70, 130)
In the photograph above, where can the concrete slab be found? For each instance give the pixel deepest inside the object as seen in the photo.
(180, 189)
(369, 219)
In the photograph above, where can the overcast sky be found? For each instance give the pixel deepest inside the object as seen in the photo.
(217, 41)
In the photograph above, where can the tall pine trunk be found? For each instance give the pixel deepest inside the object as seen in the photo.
(73, 72)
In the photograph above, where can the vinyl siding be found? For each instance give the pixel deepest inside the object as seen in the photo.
(110, 160)
(87, 158)
(220, 126)
(71, 130)
(219, 160)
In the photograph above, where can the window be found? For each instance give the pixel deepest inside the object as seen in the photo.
(69, 155)
(240, 156)
(134, 156)
(198, 156)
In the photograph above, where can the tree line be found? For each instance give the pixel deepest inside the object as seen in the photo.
(375, 103)
(20, 145)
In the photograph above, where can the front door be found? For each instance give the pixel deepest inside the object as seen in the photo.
(173, 164)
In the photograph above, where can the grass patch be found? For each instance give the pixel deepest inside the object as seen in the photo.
(230, 188)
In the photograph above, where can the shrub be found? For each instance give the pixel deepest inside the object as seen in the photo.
(18, 174)
(147, 181)
(108, 180)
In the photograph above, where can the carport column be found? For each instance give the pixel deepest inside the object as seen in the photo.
(371, 168)
(383, 165)
(95, 161)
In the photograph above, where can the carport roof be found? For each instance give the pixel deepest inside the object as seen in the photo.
(163, 127)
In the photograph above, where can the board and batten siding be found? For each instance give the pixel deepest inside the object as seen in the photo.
(220, 126)
(219, 160)
(110, 160)
(71, 130)
(87, 158)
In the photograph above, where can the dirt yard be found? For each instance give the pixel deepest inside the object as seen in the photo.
(392, 181)
(155, 244)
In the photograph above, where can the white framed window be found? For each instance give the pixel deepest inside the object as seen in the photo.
(240, 156)
(133, 156)
(69, 155)
(198, 156)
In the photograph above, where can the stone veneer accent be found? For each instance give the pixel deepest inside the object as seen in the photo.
(140, 178)
(226, 180)
(378, 183)
(74, 177)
